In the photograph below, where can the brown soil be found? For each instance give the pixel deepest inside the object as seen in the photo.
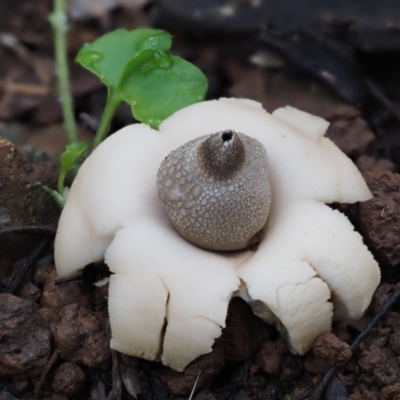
(54, 336)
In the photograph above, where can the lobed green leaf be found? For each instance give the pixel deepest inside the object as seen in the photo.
(72, 153)
(108, 56)
(138, 68)
(155, 93)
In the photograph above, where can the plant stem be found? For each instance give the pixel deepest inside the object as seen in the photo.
(108, 113)
(58, 20)
(61, 179)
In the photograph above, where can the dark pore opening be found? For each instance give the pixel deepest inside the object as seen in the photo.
(222, 155)
(227, 136)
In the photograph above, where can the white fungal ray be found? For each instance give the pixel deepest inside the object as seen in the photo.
(188, 288)
(323, 266)
(111, 190)
(168, 299)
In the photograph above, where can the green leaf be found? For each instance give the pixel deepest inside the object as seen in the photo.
(155, 92)
(137, 67)
(68, 160)
(73, 152)
(108, 56)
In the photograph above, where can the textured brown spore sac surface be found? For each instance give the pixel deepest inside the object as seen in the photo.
(216, 211)
(380, 216)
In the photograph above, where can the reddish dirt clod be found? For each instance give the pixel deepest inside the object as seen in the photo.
(380, 216)
(327, 350)
(270, 355)
(25, 340)
(80, 337)
(60, 295)
(69, 379)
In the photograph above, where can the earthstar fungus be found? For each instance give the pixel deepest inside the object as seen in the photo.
(168, 299)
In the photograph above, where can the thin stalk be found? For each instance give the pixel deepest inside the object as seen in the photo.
(61, 179)
(108, 113)
(58, 20)
(194, 386)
